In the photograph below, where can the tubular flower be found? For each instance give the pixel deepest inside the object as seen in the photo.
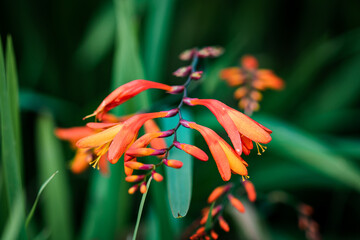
(150, 126)
(83, 157)
(252, 80)
(225, 157)
(115, 140)
(235, 123)
(127, 91)
(192, 150)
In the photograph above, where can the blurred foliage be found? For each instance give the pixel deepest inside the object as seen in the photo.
(70, 54)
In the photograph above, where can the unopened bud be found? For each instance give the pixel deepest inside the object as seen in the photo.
(173, 163)
(183, 71)
(133, 189)
(236, 203)
(196, 75)
(157, 176)
(143, 188)
(187, 54)
(134, 178)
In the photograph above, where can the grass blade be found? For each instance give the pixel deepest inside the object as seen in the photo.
(31, 213)
(141, 208)
(57, 208)
(11, 147)
(16, 220)
(296, 145)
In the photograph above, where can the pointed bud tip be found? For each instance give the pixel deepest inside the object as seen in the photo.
(172, 112)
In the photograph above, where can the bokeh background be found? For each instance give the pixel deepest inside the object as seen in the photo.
(70, 54)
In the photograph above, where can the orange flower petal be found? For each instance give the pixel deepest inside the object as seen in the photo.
(218, 192)
(223, 224)
(235, 161)
(192, 150)
(81, 161)
(124, 93)
(236, 203)
(249, 62)
(73, 134)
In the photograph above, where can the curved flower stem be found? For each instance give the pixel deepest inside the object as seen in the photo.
(141, 209)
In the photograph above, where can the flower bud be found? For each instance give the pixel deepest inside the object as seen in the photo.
(133, 189)
(157, 176)
(218, 192)
(139, 166)
(183, 71)
(236, 203)
(173, 163)
(192, 150)
(185, 123)
(250, 190)
(134, 178)
(143, 188)
(187, 54)
(223, 224)
(167, 133)
(196, 75)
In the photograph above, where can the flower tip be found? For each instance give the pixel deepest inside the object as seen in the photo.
(172, 112)
(176, 89)
(133, 189)
(157, 176)
(143, 188)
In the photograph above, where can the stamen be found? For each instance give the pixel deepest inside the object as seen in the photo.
(95, 163)
(258, 145)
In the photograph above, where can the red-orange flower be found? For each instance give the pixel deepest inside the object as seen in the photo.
(127, 91)
(115, 140)
(235, 123)
(225, 157)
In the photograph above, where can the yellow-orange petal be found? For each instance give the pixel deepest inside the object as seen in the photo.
(236, 203)
(249, 128)
(223, 224)
(73, 134)
(133, 189)
(134, 178)
(250, 190)
(235, 161)
(100, 138)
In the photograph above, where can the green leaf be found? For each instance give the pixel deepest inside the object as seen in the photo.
(127, 62)
(296, 145)
(31, 213)
(157, 32)
(98, 39)
(141, 208)
(179, 181)
(15, 222)
(9, 141)
(57, 206)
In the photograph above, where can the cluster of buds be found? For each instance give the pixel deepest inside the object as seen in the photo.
(251, 81)
(110, 138)
(306, 223)
(220, 197)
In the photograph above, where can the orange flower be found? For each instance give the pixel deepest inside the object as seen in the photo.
(235, 123)
(127, 91)
(83, 157)
(236, 203)
(115, 140)
(225, 157)
(252, 79)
